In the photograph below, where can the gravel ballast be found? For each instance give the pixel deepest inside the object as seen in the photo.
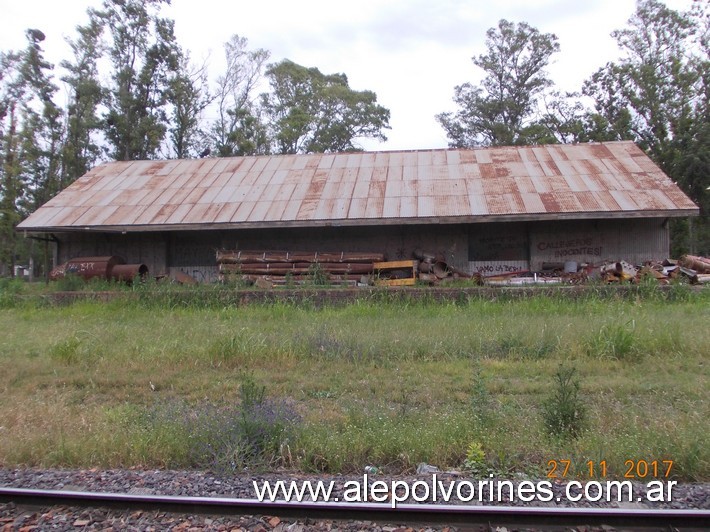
(205, 484)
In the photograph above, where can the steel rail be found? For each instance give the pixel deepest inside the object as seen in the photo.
(403, 513)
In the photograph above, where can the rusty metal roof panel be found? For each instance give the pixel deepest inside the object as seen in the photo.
(96, 215)
(301, 191)
(258, 212)
(394, 173)
(505, 204)
(341, 160)
(125, 212)
(454, 205)
(624, 199)
(648, 199)
(276, 209)
(606, 201)
(608, 179)
(307, 209)
(410, 173)
(588, 201)
(243, 211)
(155, 214)
(679, 199)
(43, 216)
(478, 204)
(532, 202)
(524, 185)
(180, 213)
(284, 192)
(255, 193)
(350, 175)
(375, 207)
(291, 211)
(151, 212)
(226, 213)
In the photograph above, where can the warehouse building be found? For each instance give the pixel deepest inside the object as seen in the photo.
(488, 210)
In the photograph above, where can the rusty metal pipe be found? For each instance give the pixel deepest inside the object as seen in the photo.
(91, 267)
(128, 272)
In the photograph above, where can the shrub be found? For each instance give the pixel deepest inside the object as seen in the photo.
(564, 414)
(70, 283)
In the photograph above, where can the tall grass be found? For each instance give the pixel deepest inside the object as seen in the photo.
(385, 380)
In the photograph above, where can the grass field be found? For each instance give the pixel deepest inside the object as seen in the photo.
(471, 384)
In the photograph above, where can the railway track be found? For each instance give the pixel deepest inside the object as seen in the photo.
(546, 517)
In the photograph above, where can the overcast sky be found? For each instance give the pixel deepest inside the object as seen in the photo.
(410, 52)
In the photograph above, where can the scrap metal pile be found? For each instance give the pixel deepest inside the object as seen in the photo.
(434, 270)
(696, 270)
(690, 268)
(267, 268)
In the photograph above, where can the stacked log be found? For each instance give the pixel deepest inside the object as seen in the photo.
(281, 267)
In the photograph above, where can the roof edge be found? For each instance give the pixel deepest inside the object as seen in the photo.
(443, 220)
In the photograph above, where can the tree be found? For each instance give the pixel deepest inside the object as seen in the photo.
(657, 95)
(503, 109)
(188, 96)
(312, 112)
(12, 89)
(81, 149)
(31, 132)
(239, 129)
(143, 54)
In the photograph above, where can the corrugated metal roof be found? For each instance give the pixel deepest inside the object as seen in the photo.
(613, 179)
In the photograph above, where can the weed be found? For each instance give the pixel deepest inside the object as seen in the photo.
(317, 275)
(240, 347)
(475, 461)
(10, 289)
(251, 394)
(615, 341)
(679, 291)
(66, 351)
(70, 283)
(480, 398)
(564, 414)
(390, 382)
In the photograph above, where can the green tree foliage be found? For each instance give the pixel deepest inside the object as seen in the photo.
(310, 112)
(503, 110)
(10, 186)
(143, 54)
(657, 95)
(189, 96)
(81, 149)
(31, 134)
(239, 129)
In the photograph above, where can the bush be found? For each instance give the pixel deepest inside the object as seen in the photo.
(564, 413)
(232, 437)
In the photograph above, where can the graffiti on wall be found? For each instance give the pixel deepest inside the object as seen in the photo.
(488, 268)
(201, 274)
(561, 248)
(498, 247)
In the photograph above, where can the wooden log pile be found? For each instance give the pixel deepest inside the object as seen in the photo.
(299, 267)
